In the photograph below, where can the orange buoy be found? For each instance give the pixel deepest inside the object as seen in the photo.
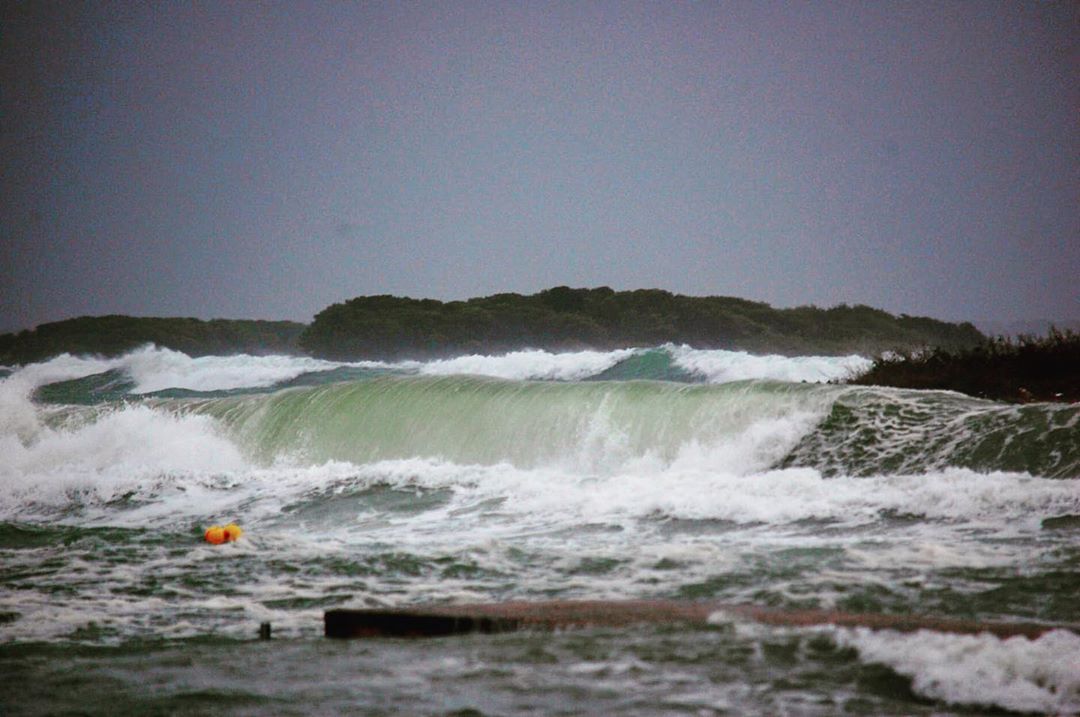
(216, 534)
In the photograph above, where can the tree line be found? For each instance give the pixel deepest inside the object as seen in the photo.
(564, 318)
(560, 318)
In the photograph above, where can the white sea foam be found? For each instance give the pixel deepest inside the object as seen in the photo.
(724, 473)
(715, 366)
(52, 458)
(20, 419)
(156, 369)
(1011, 502)
(674, 486)
(600, 475)
(1041, 675)
(718, 366)
(552, 498)
(186, 464)
(530, 365)
(131, 448)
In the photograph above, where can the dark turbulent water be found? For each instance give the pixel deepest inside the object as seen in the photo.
(667, 473)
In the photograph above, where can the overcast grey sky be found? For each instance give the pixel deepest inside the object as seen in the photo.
(264, 160)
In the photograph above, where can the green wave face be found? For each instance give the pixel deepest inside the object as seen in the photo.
(608, 426)
(112, 385)
(653, 365)
(591, 425)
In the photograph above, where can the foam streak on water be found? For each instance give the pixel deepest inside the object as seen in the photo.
(1019, 674)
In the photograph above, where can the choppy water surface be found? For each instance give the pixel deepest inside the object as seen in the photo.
(666, 472)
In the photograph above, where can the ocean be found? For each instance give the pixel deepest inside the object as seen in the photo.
(663, 472)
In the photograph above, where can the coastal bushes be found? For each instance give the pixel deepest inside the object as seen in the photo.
(601, 318)
(114, 335)
(1023, 369)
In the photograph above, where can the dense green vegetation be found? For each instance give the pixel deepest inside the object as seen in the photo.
(558, 318)
(114, 335)
(565, 318)
(1023, 369)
